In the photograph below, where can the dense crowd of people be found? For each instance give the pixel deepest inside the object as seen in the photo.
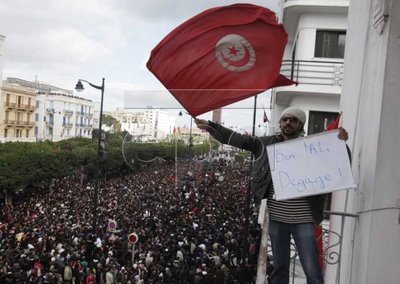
(189, 233)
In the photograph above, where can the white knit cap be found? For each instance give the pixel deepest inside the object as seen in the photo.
(300, 114)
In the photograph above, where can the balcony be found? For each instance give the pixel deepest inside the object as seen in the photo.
(25, 107)
(50, 110)
(9, 122)
(68, 112)
(323, 73)
(19, 123)
(26, 124)
(9, 105)
(50, 123)
(68, 125)
(84, 125)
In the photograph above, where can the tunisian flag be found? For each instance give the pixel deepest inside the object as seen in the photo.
(221, 56)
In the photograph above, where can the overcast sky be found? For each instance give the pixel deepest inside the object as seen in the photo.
(64, 40)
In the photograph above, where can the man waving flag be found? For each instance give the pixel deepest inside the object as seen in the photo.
(221, 56)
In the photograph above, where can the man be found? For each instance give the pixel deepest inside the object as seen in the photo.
(295, 217)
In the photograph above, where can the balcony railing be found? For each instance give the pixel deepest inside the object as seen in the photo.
(84, 125)
(331, 251)
(50, 110)
(19, 123)
(65, 124)
(327, 73)
(69, 112)
(9, 105)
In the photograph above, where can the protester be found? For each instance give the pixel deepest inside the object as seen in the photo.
(296, 217)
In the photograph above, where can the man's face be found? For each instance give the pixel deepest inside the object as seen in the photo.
(290, 126)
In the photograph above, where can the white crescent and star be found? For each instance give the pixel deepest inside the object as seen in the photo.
(235, 53)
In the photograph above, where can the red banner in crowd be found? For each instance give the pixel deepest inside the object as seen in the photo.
(221, 56)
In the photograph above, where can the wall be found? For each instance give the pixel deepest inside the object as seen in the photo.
(370, 112)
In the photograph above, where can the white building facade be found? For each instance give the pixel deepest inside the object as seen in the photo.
(371, 106)
(147, 125)
(61, 116)
(314, 57)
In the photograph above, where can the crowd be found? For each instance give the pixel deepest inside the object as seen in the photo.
(189, 233)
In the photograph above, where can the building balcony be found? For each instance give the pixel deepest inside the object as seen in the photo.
(29, 124)
(84, 125)
(19, 123)
(9, 122)
(8, 105)
(49, 123)
(50, 110)
(322, 73)
(25, 107)
(65, 124)
(68, 112)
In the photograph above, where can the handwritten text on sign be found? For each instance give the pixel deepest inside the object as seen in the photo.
(312, 165)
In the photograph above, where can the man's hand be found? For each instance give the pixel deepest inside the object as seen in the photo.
(201, 123)
(343, 135)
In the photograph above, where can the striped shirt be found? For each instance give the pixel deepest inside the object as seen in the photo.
(293, 211)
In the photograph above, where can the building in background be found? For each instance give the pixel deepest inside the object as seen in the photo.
(61, 116)
(314, 57)
(36, 111)
(146, 125)
(17, 114)
(1, 82)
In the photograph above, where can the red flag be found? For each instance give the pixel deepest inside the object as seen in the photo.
(244, 185)
(335, 123)
(265, 118)
(318, 235)
(221, 56)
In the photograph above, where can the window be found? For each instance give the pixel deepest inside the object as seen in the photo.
(36, 117)
(330, 44)
(319, 120)
(36, 130)
(5, 133)
(37, 104)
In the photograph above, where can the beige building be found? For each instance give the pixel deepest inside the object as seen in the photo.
(17, 114)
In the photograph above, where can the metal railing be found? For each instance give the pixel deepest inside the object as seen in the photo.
(67, 124)
(328, 73)
(10, 122)
(331, 243)
(9, 105)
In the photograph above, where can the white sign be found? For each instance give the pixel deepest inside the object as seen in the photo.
(311, 165)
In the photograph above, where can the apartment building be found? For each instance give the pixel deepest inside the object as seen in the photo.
(34, 111)
(61, 116)
(147, 124)
(314, 57)
(18, 113)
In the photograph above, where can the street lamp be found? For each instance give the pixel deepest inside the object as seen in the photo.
(79, 87)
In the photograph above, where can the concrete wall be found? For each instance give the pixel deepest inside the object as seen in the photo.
(371, 107)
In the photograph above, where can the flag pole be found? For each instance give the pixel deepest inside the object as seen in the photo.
(249, 188)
